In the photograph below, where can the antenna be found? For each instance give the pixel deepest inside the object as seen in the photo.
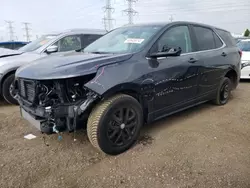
(27, 29)
(108, 20)
(130, 11)
(11, 29)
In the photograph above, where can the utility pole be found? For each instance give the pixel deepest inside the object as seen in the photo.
(27, 29)
(171, 18)
(11, 29)
(108, 20)
(130, 11)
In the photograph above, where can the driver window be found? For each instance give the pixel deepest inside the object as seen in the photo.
(173, 38)
(69, 43)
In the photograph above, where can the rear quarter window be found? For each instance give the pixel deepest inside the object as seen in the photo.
(226, 37)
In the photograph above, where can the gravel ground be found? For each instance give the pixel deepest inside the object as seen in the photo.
(206, 146)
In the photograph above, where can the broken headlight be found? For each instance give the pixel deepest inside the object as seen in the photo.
(75, 87)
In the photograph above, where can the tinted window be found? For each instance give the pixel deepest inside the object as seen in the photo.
(226, 37)
(217, 41)
(173, 38)
(69, 43)
(9, 46)
(205, 38)
(88, 39)
(18, 45)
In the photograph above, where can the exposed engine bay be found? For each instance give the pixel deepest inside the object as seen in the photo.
(57, 104)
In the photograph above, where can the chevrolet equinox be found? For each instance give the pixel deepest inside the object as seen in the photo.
(131, 76)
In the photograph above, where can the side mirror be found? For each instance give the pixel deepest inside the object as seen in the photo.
(52, 49)
(170, 52)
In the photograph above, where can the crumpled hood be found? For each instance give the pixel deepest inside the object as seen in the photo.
(68, 65)
(4, 52)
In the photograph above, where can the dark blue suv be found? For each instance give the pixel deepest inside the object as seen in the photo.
(131, 76)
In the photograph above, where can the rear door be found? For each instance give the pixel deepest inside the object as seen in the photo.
(212, 53)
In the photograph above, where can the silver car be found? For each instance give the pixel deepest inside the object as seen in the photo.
(71, 40)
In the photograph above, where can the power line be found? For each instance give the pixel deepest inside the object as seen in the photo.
(27, 29)
(130, 11)
(11, 29)
(108, 20)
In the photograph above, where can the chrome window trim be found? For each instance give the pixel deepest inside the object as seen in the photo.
(201, 51)
(210, 50)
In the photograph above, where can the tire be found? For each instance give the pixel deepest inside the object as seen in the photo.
(6, 90)
(221, 97)
(104, 131)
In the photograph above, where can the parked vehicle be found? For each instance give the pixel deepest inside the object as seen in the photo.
(48, 44)
(131, 76)
(13, 45)
(244, 46)
(4, 52)
(238, 39)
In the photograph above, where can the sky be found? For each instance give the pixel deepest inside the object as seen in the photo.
(47, 16)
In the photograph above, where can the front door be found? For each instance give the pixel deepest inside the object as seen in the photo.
(175, 78)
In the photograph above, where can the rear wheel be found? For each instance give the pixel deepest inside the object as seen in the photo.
(114, 125)
(7, 89)
(223, 92)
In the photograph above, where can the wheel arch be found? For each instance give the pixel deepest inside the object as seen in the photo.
(130, 89)
(12, 71)
(233, 76)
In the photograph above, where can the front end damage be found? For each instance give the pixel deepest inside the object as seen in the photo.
(55, 105)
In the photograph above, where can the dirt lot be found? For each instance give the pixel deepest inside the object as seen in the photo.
(206, 146)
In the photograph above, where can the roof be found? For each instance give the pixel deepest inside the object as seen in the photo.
(80, 31)
(14, 42)
(174, 22)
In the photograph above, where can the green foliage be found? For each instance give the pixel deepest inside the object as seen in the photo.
(247, 33)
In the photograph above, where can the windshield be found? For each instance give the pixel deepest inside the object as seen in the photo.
(244, 46)
(123, 40)
(34, 45)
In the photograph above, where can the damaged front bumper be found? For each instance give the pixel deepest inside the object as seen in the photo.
(59, 118)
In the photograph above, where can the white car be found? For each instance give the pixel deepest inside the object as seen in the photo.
(244, 46)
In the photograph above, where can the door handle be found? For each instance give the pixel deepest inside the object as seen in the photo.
(192, 60)
(224, 54)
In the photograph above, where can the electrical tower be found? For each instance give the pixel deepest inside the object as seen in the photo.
(130, 11)
(108, 20)
(27, 31)
(171, 18)
(11, 29)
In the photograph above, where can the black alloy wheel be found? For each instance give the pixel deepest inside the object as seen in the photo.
(122, 126)
(223, 92)
(114, 124)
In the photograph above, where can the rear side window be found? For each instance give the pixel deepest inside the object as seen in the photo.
(205, 38)
(226, 37)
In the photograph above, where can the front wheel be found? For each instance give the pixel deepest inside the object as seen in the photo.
(114, 124)
(223, 92)
(7, 89)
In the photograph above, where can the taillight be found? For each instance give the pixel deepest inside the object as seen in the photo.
(240, 52)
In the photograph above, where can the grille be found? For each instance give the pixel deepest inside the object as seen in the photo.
(27, 89)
